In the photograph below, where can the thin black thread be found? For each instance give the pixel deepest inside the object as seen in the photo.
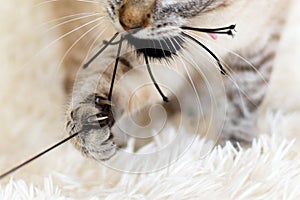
(100, 51)
(223, 71)
(115, 71)
(211, 30)
(37, 156)
(165, 99)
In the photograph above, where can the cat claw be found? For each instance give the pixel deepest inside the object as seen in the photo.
(93, 123)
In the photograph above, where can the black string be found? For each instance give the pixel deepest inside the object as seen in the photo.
(165, 99)
(222, 30)
(100, 51)
(112, 43)
(75, 134)
(211, 30)
(228, 30)
(115, 71)
(223, 71)
(37, 156)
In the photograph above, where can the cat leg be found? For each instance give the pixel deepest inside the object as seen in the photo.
(246, 87)
(93, 115)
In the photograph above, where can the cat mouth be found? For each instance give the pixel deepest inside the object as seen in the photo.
(162, 48)
(167, 47)
(156, 48)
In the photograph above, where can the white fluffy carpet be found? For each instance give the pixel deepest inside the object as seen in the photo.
(32, 106)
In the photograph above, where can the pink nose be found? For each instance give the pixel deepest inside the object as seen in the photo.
(129, 23)
(136, 14)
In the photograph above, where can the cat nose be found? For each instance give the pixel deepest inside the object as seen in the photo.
(136, 14)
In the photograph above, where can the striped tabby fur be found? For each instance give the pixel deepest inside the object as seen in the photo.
(259, 27)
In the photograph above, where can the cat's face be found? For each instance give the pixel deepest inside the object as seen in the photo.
(156, 19)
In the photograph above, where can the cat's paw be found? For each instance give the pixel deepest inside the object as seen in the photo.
(93, 120)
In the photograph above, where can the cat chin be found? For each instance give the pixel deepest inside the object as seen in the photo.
(157, 34)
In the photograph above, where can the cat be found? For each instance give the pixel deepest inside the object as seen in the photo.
(163, 31)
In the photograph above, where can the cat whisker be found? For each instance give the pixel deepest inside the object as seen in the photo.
(100, 51)
(45, 2)
(231, 74)
(186, 69)
(88, 1)
(78, 40)
(74, 19)
(65, 35)
(54, 1)
(64, 17)
(53, 42)
(198, 68)
(162, 48)
(228, 30)
(165, 99)
(223, 71)
(174, 46)
(91, 48)
(188, 58)
(241, 92)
